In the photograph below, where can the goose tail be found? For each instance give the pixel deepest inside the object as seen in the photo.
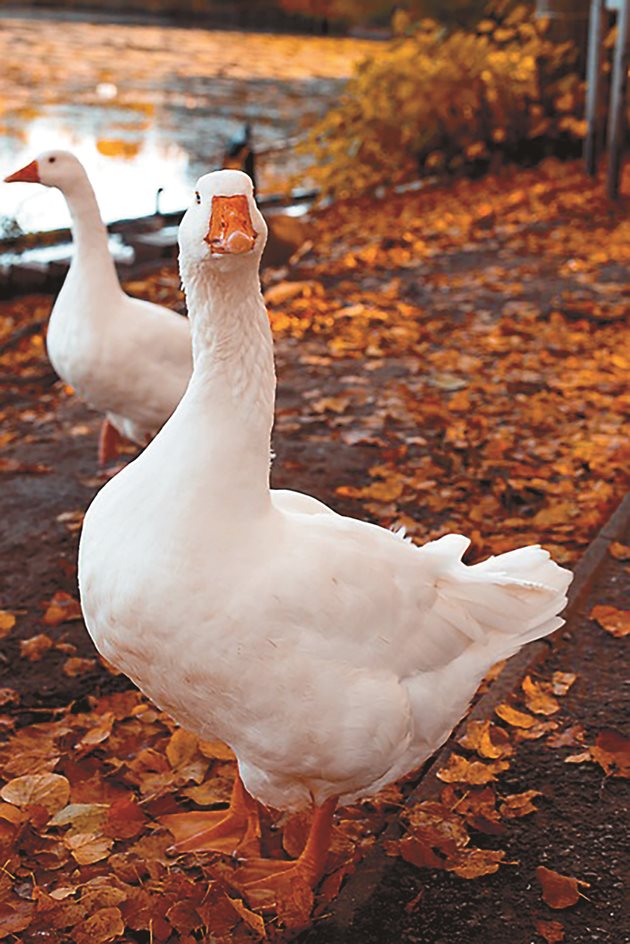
(503, 602)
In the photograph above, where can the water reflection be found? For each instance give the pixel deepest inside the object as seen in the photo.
(125, 186)
(152, 107)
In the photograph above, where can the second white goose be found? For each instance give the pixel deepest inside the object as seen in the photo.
(126, 357)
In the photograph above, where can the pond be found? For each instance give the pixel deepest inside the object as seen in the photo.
(148, 107)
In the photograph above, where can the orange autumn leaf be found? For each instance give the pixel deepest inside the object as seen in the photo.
(76, 666)
(513, 716)
(460, 770)
(487, 739)
(216, 750)
(181, 748)
(62, 608)
(538, 697)
(612, 753)
(519, 804)
(48, 790)
(552, 931)
(558, 891)
(7, 622)
(619, 551)
(614, 621)
(474, 863)
(416, 851)
(34, 648)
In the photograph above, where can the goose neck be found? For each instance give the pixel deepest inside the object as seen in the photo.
(88, 230)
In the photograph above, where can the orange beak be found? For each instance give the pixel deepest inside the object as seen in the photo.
(231, 231)
(28, 174)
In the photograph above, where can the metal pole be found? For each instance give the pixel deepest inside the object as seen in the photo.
(593, 80)
(616, 123)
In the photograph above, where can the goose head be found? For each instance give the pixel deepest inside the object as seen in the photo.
(53, 169)
(223, 231)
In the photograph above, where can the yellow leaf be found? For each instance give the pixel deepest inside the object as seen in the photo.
(48, 790)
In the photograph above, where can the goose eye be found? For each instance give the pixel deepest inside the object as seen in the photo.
(197, 197)
(51, 160)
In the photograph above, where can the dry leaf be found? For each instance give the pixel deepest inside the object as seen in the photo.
(558, 891)
(614, 621)
(7, 622)
(519, 804)
(88, 847)
(62, 608)
(473, 863)
(612, 753)
(538, 697)
(552, 931)
(216, 750)
(561, 682)
(460, 770)
(103, 926)
(48, 790)
(8, 696)
(77, 666)
(34, 648)
(489, 740)
(518, 719)
(619, 551)
(181, 748)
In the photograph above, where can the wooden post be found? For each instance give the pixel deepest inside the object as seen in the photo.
(619, 84)
(593, 86)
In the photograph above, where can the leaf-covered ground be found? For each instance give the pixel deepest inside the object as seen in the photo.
(453, 359)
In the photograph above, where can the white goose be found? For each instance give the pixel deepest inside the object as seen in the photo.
(126, 357)
(332, 656)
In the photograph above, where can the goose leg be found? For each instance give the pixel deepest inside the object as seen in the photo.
(108, 443)
(231, 830)
(263, 879)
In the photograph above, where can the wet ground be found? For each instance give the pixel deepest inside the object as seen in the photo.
(153, 106)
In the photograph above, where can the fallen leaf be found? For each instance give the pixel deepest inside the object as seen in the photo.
(489, 740)
(558, 891)
(474, 863)
(48, 790)
(216, 750)
(561, 682)
(460, 770)
(614, 621)
(538, 697)
(612, 753)
(76, 666)
(62, 608)
(552, 931)
(518, 719)
(7, 622)
(103, 926)
(83, 817)
(519, 804)
(619, 551)
(34, 648)
(87, 848)
(8, 696)
(181, 748)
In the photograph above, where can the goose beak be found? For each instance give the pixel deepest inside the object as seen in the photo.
(231, 230)
(28, 174)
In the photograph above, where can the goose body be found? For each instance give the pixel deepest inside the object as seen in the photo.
(330, 654)
(127, 358)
